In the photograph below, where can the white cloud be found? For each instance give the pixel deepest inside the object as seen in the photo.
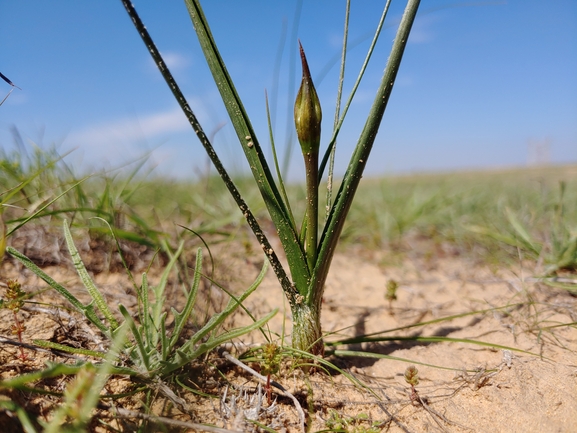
(119, 141)
(175, 60)
(130, 129)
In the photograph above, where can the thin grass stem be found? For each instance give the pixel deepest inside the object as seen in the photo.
(354, 90)
(330, 176)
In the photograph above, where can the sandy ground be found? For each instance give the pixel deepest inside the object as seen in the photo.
(466, 387)
(462, 386)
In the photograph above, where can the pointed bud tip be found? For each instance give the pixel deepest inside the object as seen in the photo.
(306, 71)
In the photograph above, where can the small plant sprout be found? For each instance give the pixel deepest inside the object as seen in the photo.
(14, 301)
(412, 378)
(352, 424)
(391, 293)
(154, 350)
(270, 365)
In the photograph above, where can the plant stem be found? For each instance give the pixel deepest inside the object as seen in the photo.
(307, 334)
(19, 329)
(308, 116)
(312, 172)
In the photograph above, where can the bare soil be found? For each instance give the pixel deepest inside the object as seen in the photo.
(462, 386)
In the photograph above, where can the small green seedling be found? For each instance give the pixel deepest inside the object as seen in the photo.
(391, 293)
(412, 378)
(270, 365)
(353, 424)
(14, 301)
(154, 351)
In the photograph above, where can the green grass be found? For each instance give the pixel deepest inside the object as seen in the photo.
(494, 217)
(497, 218)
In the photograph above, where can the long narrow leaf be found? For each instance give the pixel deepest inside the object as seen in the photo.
(144, 313)
(217, 319)
(87, 310)
(276, 164)
(437, 339)
(140, 344)
(232, 305)
(237, 113)
(290, 291)
(68, 349)
(392, 358)
(161, 286)
(180, 319)
(339, 124)
(53, 370)
(352, 177)
(186, 354)
(278, 210)
(361, 338)
(86, 280)
(333, 143)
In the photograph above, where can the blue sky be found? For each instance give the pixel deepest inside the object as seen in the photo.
(481, 82)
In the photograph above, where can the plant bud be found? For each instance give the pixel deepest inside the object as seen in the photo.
(412, 375)
(308, 113)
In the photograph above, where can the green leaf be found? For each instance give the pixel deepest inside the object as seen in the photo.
(86, 280)
(232, 305)
(352, 177)
(295, 254)
(68, 349)
(278, 210)
(185, 354)
(53, 370)
(180, 319)
(86, 310)
(143, 352)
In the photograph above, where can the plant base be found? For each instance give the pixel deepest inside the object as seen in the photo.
(307, 334)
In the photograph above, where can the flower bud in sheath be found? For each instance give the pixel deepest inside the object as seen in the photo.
(308, 113)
